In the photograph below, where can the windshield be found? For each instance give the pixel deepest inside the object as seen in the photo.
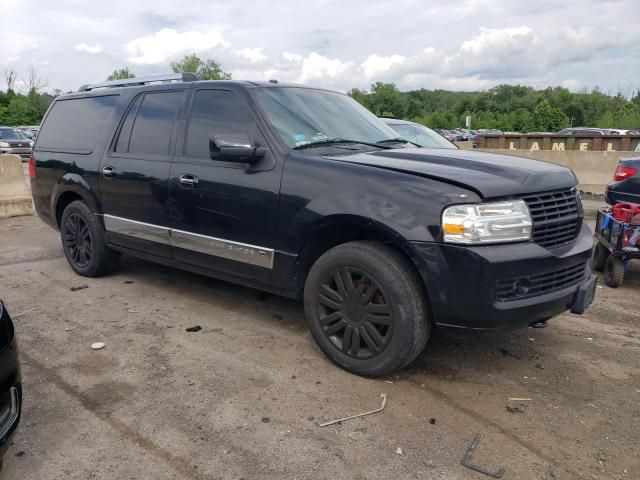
(303, 116)
(9, 134)
(425, 137)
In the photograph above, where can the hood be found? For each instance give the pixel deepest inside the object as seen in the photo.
(488, 174)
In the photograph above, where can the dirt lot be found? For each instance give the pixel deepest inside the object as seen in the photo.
(242, 398)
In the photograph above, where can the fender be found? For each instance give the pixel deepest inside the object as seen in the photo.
(73, 182)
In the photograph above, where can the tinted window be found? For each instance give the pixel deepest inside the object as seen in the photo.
(76, 124)
(215, 111)
(125, 132)
(152, 128)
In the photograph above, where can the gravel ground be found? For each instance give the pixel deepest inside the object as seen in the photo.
(242, 398)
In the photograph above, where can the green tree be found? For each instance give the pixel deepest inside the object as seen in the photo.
(386, 100)
(548, 118)
(121, 74)
(206, 70)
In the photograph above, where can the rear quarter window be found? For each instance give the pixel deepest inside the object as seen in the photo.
(76, 124)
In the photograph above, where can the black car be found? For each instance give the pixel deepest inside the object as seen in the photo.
(305, 193)
(626, 182)
(10, 386)
(13, 142)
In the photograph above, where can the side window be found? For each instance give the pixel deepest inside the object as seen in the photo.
(76, 124)
(125, 132)
(215, 111)
(150, 132)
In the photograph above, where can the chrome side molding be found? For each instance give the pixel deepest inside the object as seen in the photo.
(217, 247)
(133, 228)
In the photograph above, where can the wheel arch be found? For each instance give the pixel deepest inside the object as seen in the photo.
(336, 230)
(69, 188)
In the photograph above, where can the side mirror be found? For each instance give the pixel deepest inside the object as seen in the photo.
(234, 147)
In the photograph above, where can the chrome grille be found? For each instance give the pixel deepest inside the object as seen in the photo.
(539, 284)
(557, 217)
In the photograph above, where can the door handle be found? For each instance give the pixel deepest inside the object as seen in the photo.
(108, 171)
(188, 180)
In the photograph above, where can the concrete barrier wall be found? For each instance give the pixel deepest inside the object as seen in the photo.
(15, 198)
(593, 169)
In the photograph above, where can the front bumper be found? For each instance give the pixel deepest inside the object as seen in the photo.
(464, 283)
(23, 153)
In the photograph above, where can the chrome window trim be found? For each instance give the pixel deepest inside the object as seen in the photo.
(217, 247)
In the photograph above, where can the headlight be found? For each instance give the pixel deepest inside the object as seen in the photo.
(487, 223)
(4, 144)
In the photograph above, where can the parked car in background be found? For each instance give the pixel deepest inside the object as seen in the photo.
(30, 131)
(12, 142)
(447, 134)
(418, 134)
(582, 131)
(10, 382)
(626, 182)
(463, 134)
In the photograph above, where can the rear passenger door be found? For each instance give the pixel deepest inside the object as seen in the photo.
(134, 174)
(224, 212)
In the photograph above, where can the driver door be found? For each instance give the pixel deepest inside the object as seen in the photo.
(224, 214)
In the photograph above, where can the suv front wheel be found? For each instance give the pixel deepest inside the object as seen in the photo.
(366, 308)
(83, 242)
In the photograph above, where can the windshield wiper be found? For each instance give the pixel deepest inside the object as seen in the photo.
(396, 140)
(338, 141)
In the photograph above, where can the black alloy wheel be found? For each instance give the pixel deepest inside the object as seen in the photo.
(84, 242)
(355, 313)
(77, 241)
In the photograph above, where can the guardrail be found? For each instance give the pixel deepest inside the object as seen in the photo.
(561, 143)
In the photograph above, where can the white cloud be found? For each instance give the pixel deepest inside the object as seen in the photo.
(292, 57)
(316, 66)
(166, 44)
(83, 47)
(375, 64)
(498, 53)
(253, 55)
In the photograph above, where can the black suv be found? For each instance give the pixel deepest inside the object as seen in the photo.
(304, 193)
(10, 385)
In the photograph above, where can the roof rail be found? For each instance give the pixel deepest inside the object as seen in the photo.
(128, 82)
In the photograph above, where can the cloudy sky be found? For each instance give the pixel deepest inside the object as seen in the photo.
(339, 44)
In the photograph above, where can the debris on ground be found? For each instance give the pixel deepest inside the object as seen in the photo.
(79, 287)
(398, 451)
(131, 310)
(22, 313)
(517, 405)
(383, 396)
(128, 282)
(432, 421)
(466, 460)
(265, 420)
(195, 328)
(97, 346)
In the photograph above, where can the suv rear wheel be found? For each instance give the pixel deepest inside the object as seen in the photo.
(83, 242)
(366, 308)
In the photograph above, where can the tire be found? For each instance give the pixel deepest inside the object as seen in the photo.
(614, 271)
(599, 258)
(84, 243)
(366, 308)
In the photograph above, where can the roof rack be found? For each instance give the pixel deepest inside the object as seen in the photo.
(129, 82)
